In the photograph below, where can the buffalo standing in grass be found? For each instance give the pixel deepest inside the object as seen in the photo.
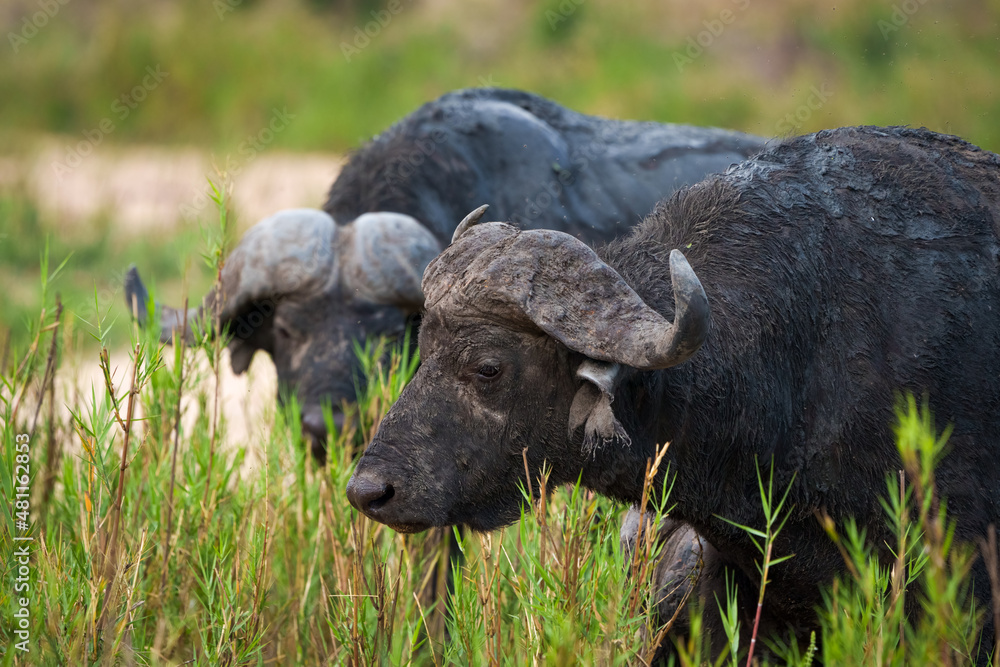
(304, 285)
(766, 314)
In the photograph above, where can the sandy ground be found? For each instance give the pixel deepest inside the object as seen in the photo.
(153, 189)
(246, 402)
(147, 190)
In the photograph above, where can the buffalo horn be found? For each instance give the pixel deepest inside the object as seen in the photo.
(630, 332)
(565, 289)
(469, 221)
(288, 252)
(383, 257)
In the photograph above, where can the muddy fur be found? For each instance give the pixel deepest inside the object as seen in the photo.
(530, 159)
(841, 268)
(536, 163)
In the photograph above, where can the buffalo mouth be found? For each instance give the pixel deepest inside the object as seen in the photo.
(378, 499)
(408, 528)
(390, 499)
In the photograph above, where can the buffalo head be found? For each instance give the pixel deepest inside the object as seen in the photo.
(524, 335)
(303, 289)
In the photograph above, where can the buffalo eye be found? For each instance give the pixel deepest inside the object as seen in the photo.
(282, 332)
(488, 371)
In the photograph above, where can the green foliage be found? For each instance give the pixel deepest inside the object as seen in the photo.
(155, 544)
(230, 63)
(764, 540)
(865, 618)
(179, 550)
(93, 263)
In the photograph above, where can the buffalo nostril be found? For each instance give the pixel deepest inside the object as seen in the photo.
(338, 421)
(369, 495)
(314, 425)
(314, 430)
(383, 499)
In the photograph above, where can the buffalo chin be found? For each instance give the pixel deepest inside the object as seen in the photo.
(477, 524)
(489, 520)
(409, 528)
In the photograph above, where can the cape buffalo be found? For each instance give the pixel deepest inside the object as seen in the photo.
(765, 314)
(303, 285)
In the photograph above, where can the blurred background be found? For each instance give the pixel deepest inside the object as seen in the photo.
(114, 113)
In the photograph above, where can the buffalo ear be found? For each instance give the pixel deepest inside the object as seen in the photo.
(240, 355)
(592, 406)
(249, 331)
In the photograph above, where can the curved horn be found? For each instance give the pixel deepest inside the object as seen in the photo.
(565, 289)
(383, 256)
(291, 251)
(285, 253)
(469, 221)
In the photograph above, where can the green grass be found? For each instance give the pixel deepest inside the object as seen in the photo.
(252, 555)
(95, 266)
(267, 561)
(153, 544)
(226, 75)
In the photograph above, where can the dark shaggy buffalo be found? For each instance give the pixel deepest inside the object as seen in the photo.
(304, 285)
(766, 314)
